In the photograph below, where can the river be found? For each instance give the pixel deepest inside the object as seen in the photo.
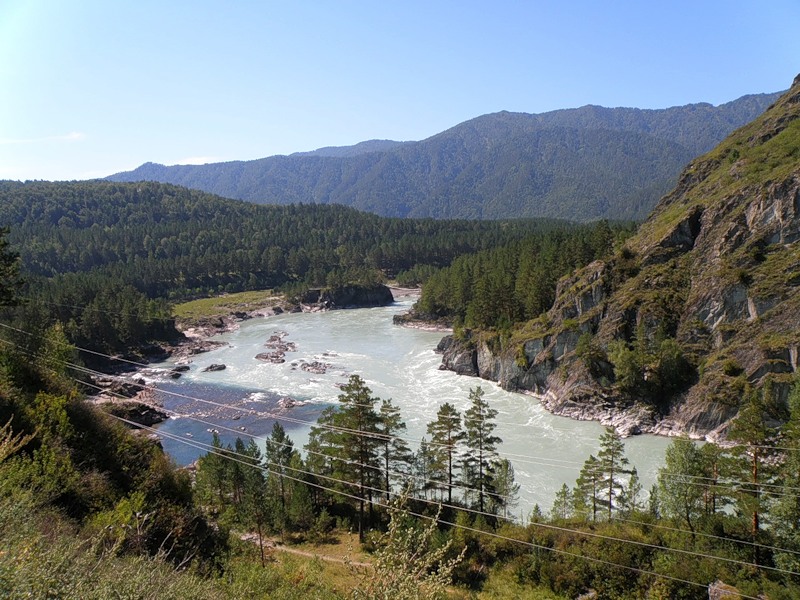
(396, 362)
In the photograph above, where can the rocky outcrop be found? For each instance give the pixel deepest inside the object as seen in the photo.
(137, 412)
(348, 296)
(715, 269)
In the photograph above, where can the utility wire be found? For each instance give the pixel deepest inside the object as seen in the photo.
(374, 435)
(380, 492)
(226, 455)
(458, 486)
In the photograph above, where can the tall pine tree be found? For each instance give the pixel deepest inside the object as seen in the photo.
(481, 445)
(446, 433)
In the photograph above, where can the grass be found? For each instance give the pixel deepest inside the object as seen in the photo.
(43, 555)
(224, 305)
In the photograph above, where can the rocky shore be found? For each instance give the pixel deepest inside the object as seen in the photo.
(571, 392)
(130, 400)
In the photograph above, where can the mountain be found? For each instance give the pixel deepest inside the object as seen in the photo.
(355, 150)
(582, 164)
(698, 308)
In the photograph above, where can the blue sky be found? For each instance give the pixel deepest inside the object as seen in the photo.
(89, 88)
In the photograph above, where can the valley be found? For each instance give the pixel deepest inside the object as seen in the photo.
(308, 425)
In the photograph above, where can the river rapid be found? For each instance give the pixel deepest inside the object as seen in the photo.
(396, 362)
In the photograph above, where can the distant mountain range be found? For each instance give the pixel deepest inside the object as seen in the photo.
(581, 164)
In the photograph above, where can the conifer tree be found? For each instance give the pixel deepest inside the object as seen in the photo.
(423, 470)
(787, 507)
(612, 464)
(562, 504)
(585, 496)
(751, 461)
(505, 496)
(631, 498)
(278, 456)
(350, 435)
(446, 433)
(254, 492)
(395, 453)
(481, 445)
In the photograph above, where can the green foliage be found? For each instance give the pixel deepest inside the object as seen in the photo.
(446, 434)
(628, 367)
(346, 442)
(681, 489)
(10, 281)
(408, 565)
(649, 368)
(590, 352)
(562, 504)
(479, 462)
(516, 282)
(104, 258)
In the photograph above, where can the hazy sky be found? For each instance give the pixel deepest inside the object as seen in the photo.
(92, 87)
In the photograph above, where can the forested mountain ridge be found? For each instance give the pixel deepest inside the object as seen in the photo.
(579, 164)
(103, 258)
(696, 309)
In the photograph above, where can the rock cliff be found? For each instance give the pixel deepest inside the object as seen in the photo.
(349, 296)
(702, 303)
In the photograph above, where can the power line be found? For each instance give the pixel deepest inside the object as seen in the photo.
(437, 483)
(380, 492)
(225, 455)
(375, 435)
(445, 484)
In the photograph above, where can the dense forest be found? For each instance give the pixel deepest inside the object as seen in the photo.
(104, 259)
(581, 164)
(514, 283)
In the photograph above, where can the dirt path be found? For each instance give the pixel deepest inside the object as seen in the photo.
(325, 557)
(271, 544)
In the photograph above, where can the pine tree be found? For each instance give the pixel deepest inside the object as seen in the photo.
(505, 495)
(613, 465)
(681, 482)
(587, 487)
(750, 461)
(786, 513)
(396, 454)
(350, 436)
(423, 470)
(446, 433)
(212, 474)
(278, 456)
(562, 504)
(254, 493)
(482, 446)
(631, 499)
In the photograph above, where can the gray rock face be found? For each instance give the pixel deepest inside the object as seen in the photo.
(349, 296)
(458, 357)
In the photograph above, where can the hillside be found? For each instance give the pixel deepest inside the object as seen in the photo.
(581, 164)
(701, 304)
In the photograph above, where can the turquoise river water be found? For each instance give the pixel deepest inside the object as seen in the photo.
(397, 363)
